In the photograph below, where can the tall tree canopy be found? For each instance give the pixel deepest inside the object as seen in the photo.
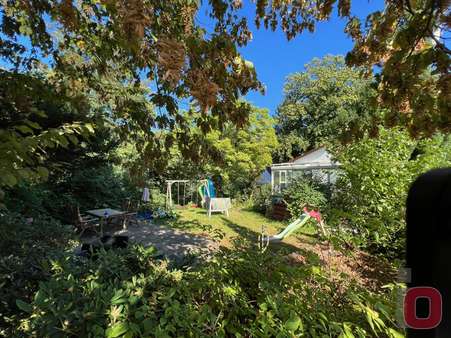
(404, 43)
(156, 41)
(161, 41)
(244, 153)
(327, 102)
(137, 58)
(235, 157)
(139, 54)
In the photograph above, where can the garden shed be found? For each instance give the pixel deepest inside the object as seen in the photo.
(316, 164)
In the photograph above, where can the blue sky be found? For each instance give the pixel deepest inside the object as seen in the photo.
(274, 57)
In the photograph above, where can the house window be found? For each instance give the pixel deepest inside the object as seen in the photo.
(283, 180)
(280, 180)
(289, 176)
(276, 178)
(308, 174)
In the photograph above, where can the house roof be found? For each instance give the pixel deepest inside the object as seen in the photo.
(315, 158)
(305, 154)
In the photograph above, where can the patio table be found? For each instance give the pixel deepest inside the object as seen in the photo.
(100, 213)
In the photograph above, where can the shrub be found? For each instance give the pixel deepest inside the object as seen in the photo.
(89, 188)
(261, 198)
(25, 248)
(157, 199)
(101, 187)
(376, 173)
(239, 292)
(303, 192)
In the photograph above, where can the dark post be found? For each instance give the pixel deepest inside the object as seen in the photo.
(427, 303)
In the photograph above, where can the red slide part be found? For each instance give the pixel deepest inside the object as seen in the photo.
(314, 214)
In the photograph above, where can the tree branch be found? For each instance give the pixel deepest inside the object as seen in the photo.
(426, 28)
(439, 44)
(409, 7)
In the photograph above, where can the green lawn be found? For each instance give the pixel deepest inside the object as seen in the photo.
(241, 222)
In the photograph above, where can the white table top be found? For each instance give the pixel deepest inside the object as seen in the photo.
(101, 212)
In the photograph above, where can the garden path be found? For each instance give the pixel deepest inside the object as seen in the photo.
(171, 243)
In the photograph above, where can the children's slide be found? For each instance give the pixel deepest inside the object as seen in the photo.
(292, 227)
(201, 191)
(264, 239)
(205, 190)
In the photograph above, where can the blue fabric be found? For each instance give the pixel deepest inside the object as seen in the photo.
(146, 215)
(265, 178)
(211, 189)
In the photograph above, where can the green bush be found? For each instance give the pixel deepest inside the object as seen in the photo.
(157, 199)
(369, 206)
(239, 292)
(89, 188)
(25, 248)
(101, 187)
(260, 199)
(304, 192)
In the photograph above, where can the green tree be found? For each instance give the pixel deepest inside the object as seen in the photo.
(375, 177)
(233, 157)
(404, 42)
(244, 152)
(150, 42)
(36, 119)
(143, 53)
(325, 103)
(164, 42)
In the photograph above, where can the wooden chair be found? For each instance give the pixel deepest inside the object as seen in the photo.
(130, 213)
(83, 223)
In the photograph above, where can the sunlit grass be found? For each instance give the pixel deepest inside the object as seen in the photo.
(241, 222)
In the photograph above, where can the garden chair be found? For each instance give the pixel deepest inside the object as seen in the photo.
(83, 222)
(130, 214)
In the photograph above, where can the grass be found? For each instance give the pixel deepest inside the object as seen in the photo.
(304, 244)
(241, 222)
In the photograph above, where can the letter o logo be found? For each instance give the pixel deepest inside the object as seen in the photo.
(410, 308)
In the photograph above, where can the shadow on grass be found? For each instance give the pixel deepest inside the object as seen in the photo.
(279, 248)
(251, 209)
(190, 226)
(244, 233)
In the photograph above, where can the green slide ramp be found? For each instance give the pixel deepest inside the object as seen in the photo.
(292, 227)
(200, 190)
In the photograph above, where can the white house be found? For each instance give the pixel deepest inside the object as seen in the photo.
(316, 163)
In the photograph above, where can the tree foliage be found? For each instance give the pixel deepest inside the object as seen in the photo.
(147, 41)
(325, 103)
(140, 54)
(162, 42)
(244, 153)
(35, 120)
(375, 177)
(121, 60)
(233, 157)
(405, 42)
